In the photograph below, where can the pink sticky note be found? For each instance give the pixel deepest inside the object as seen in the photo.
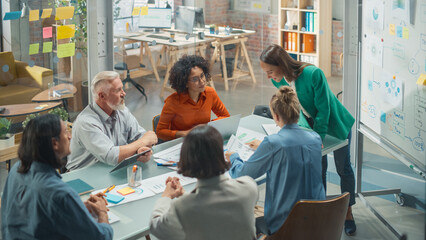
(47, 32)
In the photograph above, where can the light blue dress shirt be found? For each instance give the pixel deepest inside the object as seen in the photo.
(291, 160)
(39, 205)
(96, 136)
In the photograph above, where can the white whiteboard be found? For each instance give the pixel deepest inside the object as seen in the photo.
(393, 57)
(253, 5)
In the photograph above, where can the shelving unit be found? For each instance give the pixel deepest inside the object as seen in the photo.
(309, 22)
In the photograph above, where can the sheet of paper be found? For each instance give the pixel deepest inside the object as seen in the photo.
(246, 135)
(64, 13)
(34, 15)
(171, 154)
(66, 31)
(112, 218)
(34, 48)
(47, 32)
(12, 15)
(373, 50)
(271, 128)
(140, 193)
(157, 184)
(236, 145)
(46, 13)
(66, 50)
(136, 11)
(144, 11)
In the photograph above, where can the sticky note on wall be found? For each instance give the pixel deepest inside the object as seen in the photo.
(392, 29)
(144, 11)
(66, 50)
(12, 15)
(64, 13)
(66, 31)
(405, 33)
(34, 48)
(47, 32)
(47, 47)
(421, 80)
(46, 13)
(136, 11)
(34, 15)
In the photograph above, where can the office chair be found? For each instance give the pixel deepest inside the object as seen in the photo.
(123, 67)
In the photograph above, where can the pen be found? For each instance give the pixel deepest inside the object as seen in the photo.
(133, 176)
(167, 164)
(109, 188)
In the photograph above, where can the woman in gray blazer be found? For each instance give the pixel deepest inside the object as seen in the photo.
(218, 207)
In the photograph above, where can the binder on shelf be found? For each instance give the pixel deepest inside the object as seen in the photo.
(290, 41)
(285, 37)
(311, 22)
(294, 42)
(308, 43)
(307, 22)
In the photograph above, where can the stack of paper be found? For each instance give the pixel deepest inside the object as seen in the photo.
(236, 145)
(271, 128)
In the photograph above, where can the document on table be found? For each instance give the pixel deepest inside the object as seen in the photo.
(236, 145)
(112, 218)
(158, 184)
(140, 193)
(271, 128)
(246, 135)
(169, 155)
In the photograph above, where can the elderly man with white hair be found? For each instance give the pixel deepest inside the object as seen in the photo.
(105, 130)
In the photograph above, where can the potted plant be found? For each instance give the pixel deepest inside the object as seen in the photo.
(61, 112)
(28, 119)
(6, 139)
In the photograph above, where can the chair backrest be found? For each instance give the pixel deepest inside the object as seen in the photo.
(155, 120)
(262, 110)
(315, 220)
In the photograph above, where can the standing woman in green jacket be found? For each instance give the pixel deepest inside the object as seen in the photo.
(324, 112)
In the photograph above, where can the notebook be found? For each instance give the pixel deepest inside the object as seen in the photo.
(80, 186)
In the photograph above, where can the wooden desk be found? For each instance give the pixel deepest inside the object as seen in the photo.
(128, 38)
(238, 38)
(25, 109)
(173, 50)
(44, 96)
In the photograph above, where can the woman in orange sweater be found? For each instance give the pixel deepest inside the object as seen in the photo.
(192, 102)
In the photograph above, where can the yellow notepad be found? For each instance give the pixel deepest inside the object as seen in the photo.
(126, 191)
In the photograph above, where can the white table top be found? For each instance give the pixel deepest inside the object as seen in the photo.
(135, 216)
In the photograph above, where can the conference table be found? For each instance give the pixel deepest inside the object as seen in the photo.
(134, 216)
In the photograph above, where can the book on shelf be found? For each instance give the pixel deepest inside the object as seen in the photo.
(286, 41)
(290, 41)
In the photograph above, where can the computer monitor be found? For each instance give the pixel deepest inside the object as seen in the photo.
(189, 17)
(156, 18)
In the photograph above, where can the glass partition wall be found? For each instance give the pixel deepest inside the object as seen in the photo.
(44, 46)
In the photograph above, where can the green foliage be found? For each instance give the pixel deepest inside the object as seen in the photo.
(28, 119)
(4, 127)
(61, 112)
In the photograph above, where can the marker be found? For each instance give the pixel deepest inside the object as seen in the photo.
(167, 164)
(109, 188)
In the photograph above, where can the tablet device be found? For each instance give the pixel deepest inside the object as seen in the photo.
(227, 126)
(128, 161)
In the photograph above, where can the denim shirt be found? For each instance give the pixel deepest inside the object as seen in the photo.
(291, 160)
(39, 205)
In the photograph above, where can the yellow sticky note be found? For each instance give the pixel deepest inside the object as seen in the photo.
(392, 29)
(144, 10)
(405, 32)
(421, 80)
(125, 191)
(46, 13)
(47, 47)
(66, 50)
(34, 48)
(34, 14)
(64, 13)
(66, 31)
(136, 11)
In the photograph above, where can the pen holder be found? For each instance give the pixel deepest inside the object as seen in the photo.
(134, 175)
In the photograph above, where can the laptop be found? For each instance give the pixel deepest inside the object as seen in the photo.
(227, 126)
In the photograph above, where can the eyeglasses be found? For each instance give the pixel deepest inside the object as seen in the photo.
(198, 79)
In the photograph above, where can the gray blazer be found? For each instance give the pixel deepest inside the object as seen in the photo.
(218, 208)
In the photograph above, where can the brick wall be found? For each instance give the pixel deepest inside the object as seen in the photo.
(336, 47)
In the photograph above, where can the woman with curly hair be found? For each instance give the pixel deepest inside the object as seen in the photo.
(193, 101)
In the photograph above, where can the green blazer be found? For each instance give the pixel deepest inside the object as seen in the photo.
(329, 115)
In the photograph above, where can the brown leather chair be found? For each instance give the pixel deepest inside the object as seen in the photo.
(315, 220)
